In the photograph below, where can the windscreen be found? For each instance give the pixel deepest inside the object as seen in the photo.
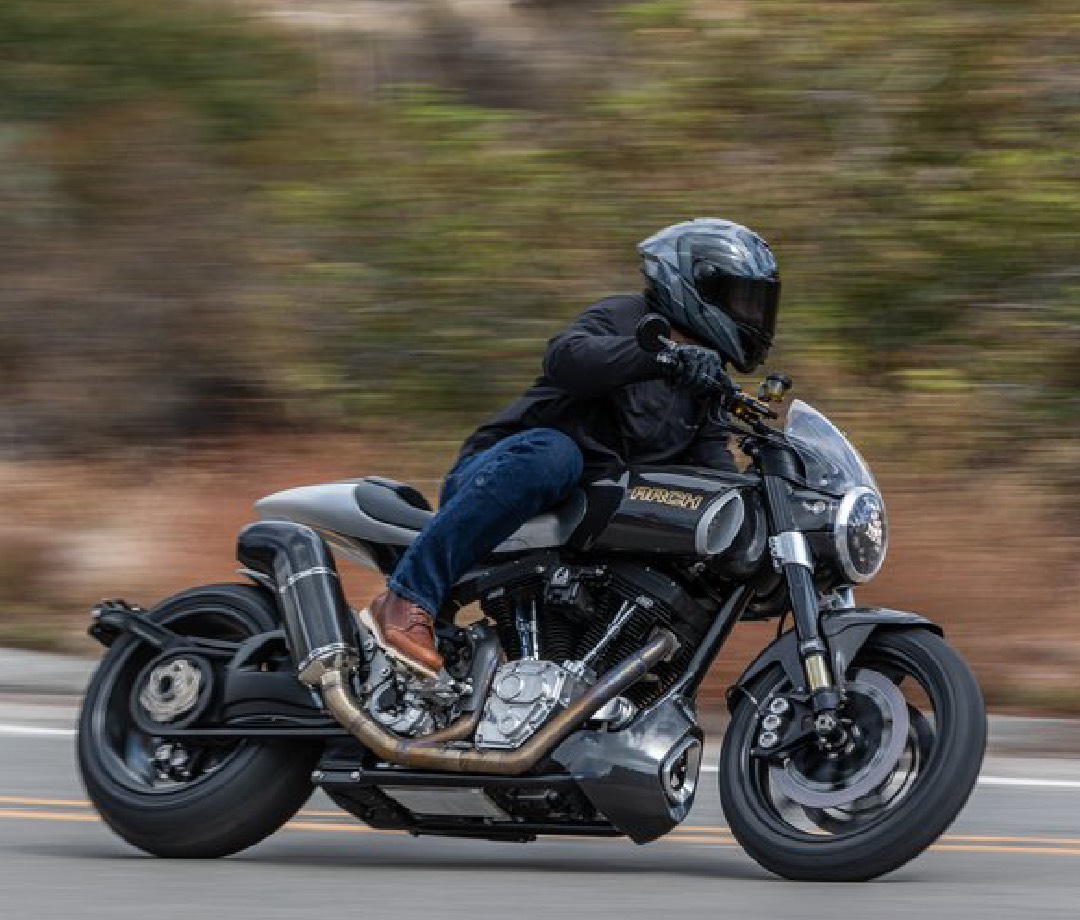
(832, 463)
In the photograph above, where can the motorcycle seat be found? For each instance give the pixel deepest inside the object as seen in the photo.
(384, 511)
(392, 502)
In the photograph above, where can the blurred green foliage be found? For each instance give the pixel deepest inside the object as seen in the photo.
(63, 58)
(332, 256)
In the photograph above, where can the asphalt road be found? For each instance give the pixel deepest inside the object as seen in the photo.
(1015, 852)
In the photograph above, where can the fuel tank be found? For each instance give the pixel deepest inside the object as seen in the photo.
(677, 511)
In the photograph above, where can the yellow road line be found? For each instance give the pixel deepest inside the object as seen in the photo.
(700, 838)
(1064, 841)
(22, 800)
(968, 848)
(46, 816)
(690, 829)
(85, 803)
(335, 828)
(960, 843)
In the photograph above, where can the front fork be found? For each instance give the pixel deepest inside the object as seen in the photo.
(791, 553)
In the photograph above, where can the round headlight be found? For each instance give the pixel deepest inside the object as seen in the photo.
(861, 534)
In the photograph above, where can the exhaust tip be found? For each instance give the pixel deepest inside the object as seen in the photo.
(680, 770)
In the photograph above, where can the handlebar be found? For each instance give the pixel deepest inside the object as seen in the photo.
(727, 393)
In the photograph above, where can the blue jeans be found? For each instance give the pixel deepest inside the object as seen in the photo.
(485, 498)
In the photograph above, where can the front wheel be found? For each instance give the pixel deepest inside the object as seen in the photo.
(187, 800)
(917, 728)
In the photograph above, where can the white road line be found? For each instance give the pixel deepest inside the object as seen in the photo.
(1029, 783)
(40, 731)
(1022, 781)
(35, 731)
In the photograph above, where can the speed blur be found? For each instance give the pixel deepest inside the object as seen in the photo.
(251, 245)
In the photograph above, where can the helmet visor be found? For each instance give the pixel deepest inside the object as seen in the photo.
(749, 301)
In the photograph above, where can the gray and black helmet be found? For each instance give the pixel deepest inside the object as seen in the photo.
(718, 282)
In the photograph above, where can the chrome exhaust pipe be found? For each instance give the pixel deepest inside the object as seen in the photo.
(426, 754)
(464, 727)
(316, 619)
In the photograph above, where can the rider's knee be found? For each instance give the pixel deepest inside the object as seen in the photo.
(558, 458)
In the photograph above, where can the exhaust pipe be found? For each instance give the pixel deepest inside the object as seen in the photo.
(464, 727)
(430, 755)
(316, 621)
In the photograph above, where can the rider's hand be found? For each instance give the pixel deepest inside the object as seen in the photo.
(696, 369)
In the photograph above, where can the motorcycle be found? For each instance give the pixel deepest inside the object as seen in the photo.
(568, 708)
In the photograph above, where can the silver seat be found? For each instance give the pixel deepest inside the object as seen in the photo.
(383, 511)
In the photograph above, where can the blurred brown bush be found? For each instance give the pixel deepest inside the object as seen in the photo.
(336, 218)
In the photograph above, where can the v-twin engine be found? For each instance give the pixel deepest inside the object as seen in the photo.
(321, 632)
(524, 695)
(505, 708)
(590, 617)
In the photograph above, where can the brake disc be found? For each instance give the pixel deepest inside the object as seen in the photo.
(889, 703)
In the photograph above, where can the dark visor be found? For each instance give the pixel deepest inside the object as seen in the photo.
(746, 300)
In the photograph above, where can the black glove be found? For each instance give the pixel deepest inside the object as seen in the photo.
(696, 369)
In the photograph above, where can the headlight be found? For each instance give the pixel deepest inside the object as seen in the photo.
(861, 534)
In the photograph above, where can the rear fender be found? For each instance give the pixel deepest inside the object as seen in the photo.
(845, 632)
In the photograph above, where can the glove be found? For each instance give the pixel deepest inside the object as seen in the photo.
(698, 370)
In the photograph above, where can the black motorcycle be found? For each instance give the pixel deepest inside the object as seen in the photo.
(569, 706)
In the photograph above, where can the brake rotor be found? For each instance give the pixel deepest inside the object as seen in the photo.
(880, 730)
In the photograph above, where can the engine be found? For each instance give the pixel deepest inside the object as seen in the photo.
(583, 619)
(560, 627)
(524, 694)
(411, 706)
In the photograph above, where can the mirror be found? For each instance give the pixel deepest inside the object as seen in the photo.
(652, 332)
(774, 387)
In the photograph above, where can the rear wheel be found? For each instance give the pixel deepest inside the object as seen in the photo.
(198, 800)
(917, 728)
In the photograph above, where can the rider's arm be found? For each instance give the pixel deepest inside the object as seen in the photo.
(711, 448)
(598, 352)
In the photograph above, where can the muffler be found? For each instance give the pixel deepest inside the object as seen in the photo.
(317, 623)
(298, 564)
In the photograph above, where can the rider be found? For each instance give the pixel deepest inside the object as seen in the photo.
(601, 403)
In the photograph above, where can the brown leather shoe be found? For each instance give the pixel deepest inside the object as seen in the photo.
(405, 631)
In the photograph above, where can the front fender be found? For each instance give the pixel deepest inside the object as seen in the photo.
(844, 631)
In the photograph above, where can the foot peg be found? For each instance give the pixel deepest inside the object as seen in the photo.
(110, 619)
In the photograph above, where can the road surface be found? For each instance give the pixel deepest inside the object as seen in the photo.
(1015, 853)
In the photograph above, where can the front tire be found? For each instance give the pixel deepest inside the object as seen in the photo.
(879, 831)
(246, 790)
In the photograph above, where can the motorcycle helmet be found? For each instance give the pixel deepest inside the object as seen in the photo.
(718, 282)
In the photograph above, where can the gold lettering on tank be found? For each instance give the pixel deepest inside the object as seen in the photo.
(673, 497)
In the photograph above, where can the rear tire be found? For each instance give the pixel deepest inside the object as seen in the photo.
(883, 843)
(255, 786)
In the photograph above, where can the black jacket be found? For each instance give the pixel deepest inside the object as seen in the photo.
(602, 389)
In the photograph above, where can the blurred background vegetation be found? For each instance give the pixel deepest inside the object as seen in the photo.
(361, 220)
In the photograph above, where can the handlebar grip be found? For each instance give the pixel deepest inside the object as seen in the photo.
(670, 355)
(725, 387)
(725, 390)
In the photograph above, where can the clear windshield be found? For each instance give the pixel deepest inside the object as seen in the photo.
(832, 464)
